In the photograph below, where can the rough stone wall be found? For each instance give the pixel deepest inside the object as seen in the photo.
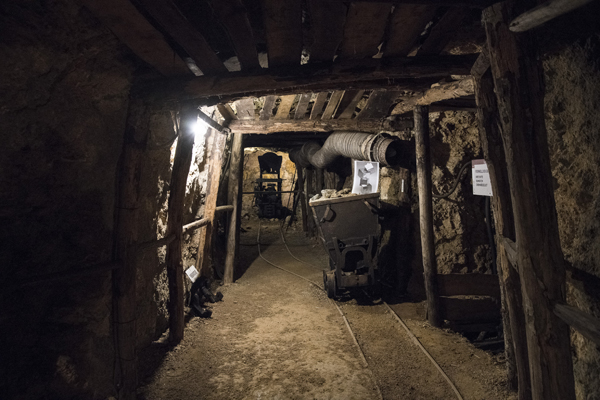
(572, 102)
(252, 173)
(64, 90)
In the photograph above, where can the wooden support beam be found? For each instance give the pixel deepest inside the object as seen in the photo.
(379, 104)
(358, 125)
(348, 103)
(215, 144)
(392, 72)
(267, 111)
(510, 284)
(154, 244)
(124, 311)
(582, 322)
(283, 26)
(510, 249)
(364, 29)
(327, 29)
(332, 105)
(227, 208)
(544, 13)
(302, 105)
(448, 3)
(302, 197)
(517, 74)
(423, 153)
(407, 23)
(196, 224)
(126, 22)
(451, 90)
(245, 108)
(179, 175)
(443, 31)
(317, 109)
(226, 112)
(468, 285)
(309, 190)
(234, 197)
(469, 310)
(285, 106)
(234, 17)
(185, 34)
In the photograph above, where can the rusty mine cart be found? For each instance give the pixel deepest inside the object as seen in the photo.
(349, 230)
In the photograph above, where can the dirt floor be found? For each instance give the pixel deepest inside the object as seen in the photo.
(276, 336)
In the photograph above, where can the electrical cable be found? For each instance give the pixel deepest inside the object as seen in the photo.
(455, 185)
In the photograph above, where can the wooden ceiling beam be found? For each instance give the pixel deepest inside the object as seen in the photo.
(447, 3)
(188, 37)
(327, 29)
(379, 104)
(234, 18)
(317, 108)
(406, 25)
(126, 22)
(446, 91)
(443, 32)
(405, 73)
(291, 125)
(365, 26)
(283, 26)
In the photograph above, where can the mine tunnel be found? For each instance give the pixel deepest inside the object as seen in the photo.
(317, 199)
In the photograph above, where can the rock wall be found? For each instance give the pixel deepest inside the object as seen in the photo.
(572, 102)
(64, 98)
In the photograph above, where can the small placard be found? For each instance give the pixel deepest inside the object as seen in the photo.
(366, 177)
(482, 185)
(192, 273)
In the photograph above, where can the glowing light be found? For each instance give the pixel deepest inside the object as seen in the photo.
(200, 128)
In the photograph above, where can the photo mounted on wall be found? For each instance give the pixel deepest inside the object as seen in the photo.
(366, 177)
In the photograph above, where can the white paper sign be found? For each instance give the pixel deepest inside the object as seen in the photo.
(366, 177)
(482, 186)
(192, 273)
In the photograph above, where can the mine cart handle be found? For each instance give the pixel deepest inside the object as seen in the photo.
(373, 209)
(329, 214)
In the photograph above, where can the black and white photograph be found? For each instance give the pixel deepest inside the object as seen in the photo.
(366, 177)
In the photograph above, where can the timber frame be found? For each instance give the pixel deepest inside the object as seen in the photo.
(369, 79)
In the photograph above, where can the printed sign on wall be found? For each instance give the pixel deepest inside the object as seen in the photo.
(482, 185)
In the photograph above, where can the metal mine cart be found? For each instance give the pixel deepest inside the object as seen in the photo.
(349, 228)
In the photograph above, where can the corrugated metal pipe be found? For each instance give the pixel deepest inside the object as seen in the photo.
(355, 145)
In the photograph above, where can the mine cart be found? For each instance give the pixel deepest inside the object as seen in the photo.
(349, 230)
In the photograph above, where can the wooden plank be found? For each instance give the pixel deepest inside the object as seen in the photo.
(196, 224)
(267, 111)
(302, 198)
(302, 106)
(545, 12)
(327, 28)
(234, 17)
(283, 26)
(318, 105)
(348, 103)
(407, 23)
(444, 91)
(510, 248)
(461, 309)
(518, 78)
(245, 108)
(468, 285)
(415, 73)
(582, 322)
(185, 34)
(379, 104)
(125, 21)
(226, 112)
(175, 212)
(443, 31)
(450, 3)
(423, 153)
(283, 111)
(364, 29)
(473, 327)
(234, 196)
(511, 298)
(290, 125)
(215, 144)
(332, 104)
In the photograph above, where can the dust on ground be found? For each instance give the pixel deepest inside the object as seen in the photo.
(276, 336)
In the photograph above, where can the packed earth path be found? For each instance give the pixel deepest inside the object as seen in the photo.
(276, 336)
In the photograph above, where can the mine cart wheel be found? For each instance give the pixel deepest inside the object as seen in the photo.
(331, 286)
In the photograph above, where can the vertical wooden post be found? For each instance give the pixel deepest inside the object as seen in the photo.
(181, 170)
(302, 197)
(319, 179)
(215, 144)
(309, 190)
(124, 278)
(234, 197)
(421, 114)
(510, 286)
(519, 91)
